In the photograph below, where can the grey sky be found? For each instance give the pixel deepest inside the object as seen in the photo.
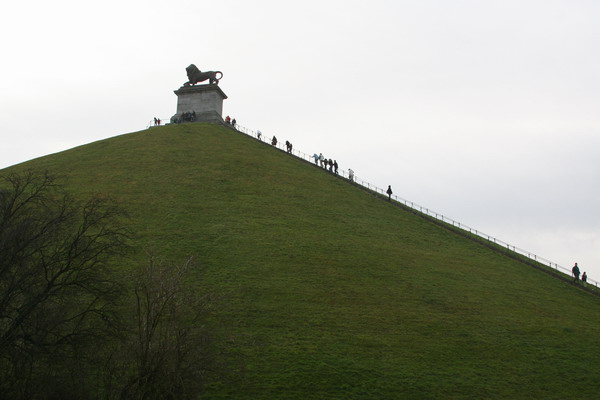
(485, 111)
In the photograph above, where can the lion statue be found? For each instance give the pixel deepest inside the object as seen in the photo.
(195, 76)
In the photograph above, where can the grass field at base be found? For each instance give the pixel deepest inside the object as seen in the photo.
(324, 291)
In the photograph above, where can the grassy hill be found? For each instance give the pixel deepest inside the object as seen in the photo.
(325, 291)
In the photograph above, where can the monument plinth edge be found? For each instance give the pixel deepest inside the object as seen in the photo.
(198, 89)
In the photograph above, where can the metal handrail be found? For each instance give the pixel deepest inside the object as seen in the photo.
(423, 210)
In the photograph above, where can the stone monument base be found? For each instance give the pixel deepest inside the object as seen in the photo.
(199, 103)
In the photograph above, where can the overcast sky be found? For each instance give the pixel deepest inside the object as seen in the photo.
(486, 111)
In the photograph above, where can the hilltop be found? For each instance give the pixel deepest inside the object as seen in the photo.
(324, 290)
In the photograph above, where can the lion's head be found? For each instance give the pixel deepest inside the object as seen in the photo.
(192, 73)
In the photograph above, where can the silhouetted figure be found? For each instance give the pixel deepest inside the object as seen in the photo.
(155, 121)
(258, 135)
(389, 193)
(335, 166)
(575, 271)
(330, 162)
(227, 120)
(158, 121)
(233, 122)
(584, 278)
(274, 141)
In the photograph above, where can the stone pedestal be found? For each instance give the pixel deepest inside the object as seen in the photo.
(204, 100)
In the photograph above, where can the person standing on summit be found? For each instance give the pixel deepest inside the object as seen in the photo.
(389, 193)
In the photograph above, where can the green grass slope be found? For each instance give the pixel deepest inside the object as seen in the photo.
(327, 292)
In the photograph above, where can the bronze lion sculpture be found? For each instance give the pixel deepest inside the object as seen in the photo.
(195, 76)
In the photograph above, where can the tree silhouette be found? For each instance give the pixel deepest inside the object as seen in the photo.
(56, 296)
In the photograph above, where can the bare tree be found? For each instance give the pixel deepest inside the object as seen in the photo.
(55, 291)
(171, 351)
